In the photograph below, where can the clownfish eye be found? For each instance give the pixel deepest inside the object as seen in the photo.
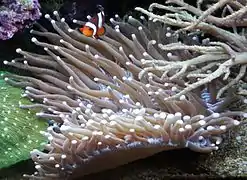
(90, 29)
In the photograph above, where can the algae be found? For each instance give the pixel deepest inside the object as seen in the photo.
(19, 128)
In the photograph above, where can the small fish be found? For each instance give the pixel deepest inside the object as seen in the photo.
(95, 26)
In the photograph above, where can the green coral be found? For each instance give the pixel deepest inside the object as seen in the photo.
(19, 128)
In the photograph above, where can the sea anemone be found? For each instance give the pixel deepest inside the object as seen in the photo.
(107, 111)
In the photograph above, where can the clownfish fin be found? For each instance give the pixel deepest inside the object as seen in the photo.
(89, 17)
(101, 31)
(99, 7)
(95, 36)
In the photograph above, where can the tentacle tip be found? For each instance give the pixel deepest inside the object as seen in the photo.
(174, 88)
(202, 122)
(34, 39)
(61, 41)
(143, 61)
(124, 78)
(120, 48)
(168, 34)
(45, 48)
(138, 104)
(140, 28)
(236, 122)
(69, 87)
(74, 21)
(61, 115)
(169, 54)
(50, 129)
(18, 50)
(182, 97)
(109, 88)
(194, 38)
(55, 12)
(133, 36)
(47, 16)
(131, 56)
(39, 114)
(215, 115)
(150, 75)
(5, 62)
(70, 30)
(111, 20)
(155, 20)
(50, 138)
(62, 20)
(185, 118)
(145, 54)
(188, 126)
(89, 106)
(31, 31)
(153, 42)
(223, 127)
(53, 21)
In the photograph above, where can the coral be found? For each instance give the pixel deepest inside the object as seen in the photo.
(124, 96)
(16, 15)
(19, 127)
(226, 51)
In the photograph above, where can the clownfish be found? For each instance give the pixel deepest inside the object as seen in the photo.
(95, 25)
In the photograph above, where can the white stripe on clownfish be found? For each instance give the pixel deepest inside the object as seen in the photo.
(100, 19)
(93, 26)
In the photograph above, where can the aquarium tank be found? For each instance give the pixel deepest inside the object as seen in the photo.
(136, 90)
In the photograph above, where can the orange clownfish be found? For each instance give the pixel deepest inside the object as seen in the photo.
(95, 26)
